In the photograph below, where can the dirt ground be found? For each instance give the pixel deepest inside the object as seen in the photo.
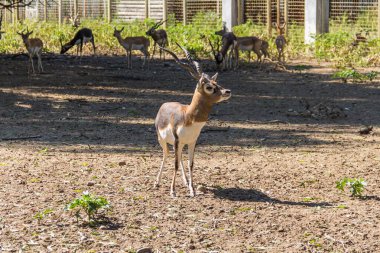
(265, 168)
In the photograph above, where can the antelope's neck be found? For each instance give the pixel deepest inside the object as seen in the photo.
(198, 110)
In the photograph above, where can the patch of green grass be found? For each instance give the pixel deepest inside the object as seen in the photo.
(40, 215)
(354, 75)
(355, 185)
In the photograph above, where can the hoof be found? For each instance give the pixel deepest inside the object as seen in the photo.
(172, 194)
(192, 193)
(156, 185)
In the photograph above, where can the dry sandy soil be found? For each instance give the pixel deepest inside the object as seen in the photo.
(267, 168)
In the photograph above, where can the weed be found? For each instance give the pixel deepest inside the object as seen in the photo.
(354, 75)
(308, 199)
(90, 204)
(40, 215)
(356, 185)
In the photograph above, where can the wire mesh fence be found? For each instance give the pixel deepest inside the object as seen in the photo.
(360, 15)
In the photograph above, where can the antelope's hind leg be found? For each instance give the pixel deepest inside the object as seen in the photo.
(165, 153)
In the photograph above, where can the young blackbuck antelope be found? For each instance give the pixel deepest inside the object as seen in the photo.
(34, 47)
(280, 41)
(133, 43)
(160, 37)
(82, 36)
(249, 44)
(180, 125)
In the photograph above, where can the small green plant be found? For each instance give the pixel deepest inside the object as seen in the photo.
(40, 215)
(356, 185)
(88, 203)
(354, 75)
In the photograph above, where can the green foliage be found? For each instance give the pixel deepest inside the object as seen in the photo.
(356, 185)
(352, 74)
(88, 203)
(40, 215)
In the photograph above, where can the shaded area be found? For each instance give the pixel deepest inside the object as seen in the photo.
(99, 102)
(252, 195)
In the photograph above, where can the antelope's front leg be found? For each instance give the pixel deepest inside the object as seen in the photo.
(191, 149)
(176, 153)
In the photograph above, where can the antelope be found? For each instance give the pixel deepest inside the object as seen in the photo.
(251, 43)
(179, 125)
(75, 21)
(133, 43)
(280, 41)
(359, 38)
(34, 47)
(225, 55)
(81, 37)
(254, 44)
(159, 37)
(1, 23)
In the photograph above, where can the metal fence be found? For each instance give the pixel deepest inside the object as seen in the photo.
(357, 14)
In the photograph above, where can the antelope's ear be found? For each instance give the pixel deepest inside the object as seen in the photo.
(122, 29)
(214, 77)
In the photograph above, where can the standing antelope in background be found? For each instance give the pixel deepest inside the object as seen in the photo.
(34, 47)
(82, 36)
(160, 37)
(280, 41)
(133, 43)
(180, 125)
(252, 43)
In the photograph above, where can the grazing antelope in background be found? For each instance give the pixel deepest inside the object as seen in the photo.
(81, 37)
(180, 125)
(225, 55)
(34, 47)
(280, 41)
(1, 24)
(160, 37)
(133, 43)
(360, 38)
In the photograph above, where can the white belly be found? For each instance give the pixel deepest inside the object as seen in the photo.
(186, 134)
(85, 40)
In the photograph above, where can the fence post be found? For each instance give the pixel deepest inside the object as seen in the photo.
(240, 12)
(146, 8)
(217, 8)
(269, 18)
(45, 11)
(316, 18)
(109, 11)
(278, 13)
(229, 13)
(75, 8)
(286, 17)
(164, 12)
(84, 8)
(59, 12)
(378, 19)
(184, 11)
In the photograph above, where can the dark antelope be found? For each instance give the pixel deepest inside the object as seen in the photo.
(180, 125)
(159, 37)
(280, 41)
(81, 37)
